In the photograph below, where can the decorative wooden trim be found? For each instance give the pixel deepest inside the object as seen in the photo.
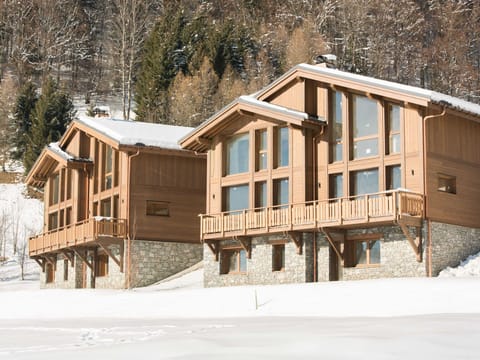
(415, 243)
(246, 243)
(83, 256)
(297, 240)
(214, 246)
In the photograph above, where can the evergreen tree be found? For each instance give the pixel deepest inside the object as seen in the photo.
(53, 112)
(21, 122)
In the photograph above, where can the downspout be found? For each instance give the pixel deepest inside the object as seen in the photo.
(314, 189)
(129, 240)
(429, 227)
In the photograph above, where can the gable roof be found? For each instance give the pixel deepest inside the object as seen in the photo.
(135, 133)
(118, 133)
(198, 139)
(371, 85)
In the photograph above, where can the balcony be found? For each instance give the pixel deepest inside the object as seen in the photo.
(364, 210)
(81, 233)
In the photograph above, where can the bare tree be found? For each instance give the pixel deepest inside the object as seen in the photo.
(8, 90)
(22, 256)
(4, 227)
(130, 22)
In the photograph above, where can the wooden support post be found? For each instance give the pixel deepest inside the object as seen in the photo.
(297, 240)
(246, 243)
(415, 243)
(214, 246)
(329, 237)
(83, 256)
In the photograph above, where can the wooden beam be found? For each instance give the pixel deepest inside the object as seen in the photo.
(214, 247)
(69, 255)
(246, 243)
(297, 240)
(51, 259)
(83, 256)
(40, 262)
(415, 243)
(118, 261)
(329, 237)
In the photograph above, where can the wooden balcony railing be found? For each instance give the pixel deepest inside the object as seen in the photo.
(371, 208)
(77, 234)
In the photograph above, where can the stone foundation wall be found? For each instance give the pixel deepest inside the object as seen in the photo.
(298, 267)
(114, 279)
(73, 275)
(451, 244)
(152, 261)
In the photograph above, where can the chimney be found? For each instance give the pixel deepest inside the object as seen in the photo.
(327, 60)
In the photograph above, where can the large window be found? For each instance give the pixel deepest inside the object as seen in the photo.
(237, 154)
(392, 129)
(233, 261)
(364, 127)
(280, 192)
(235, 198)
(394, 177)
(278, 257)
(261, 144)
(336, 121)
(282, 147)
(367, 252)
(106, 207)
(364, 182)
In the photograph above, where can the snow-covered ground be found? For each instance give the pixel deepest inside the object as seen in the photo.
(415, 318)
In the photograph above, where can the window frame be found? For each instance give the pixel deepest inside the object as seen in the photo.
(101, 265)
(447, 184)
(227, 154)
(261, 150)
(152, 204)
(389, 133)
(225, 261)
(370, 243)
(336, 119)
(354, 121)
(278, 257)
(279, 147)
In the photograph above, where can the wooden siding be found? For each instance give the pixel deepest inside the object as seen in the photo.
(453, 149)
(176, 180)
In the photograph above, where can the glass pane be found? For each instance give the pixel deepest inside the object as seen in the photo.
(394, 146)
(108, 159)
(375, 252)
(281, 192)
(337, 117)
(365, 117)
(233, 261)
(337, 152)
(394, 115)
(365, 148)
(236, 198)
(336, 186)
(282, 151)
(364, 182)
(361, 252)
(394, 177)
(243, 261)
(262, 150)
(261, 194)
(237, 154)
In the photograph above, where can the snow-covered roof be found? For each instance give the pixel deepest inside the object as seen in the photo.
(137, 133)
(245, 99)
(55, 147)
(429, 95)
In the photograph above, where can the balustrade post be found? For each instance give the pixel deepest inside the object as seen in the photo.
(367, 208)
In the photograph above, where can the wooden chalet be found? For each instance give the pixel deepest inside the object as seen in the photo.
(115, 191)
(333, 175)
